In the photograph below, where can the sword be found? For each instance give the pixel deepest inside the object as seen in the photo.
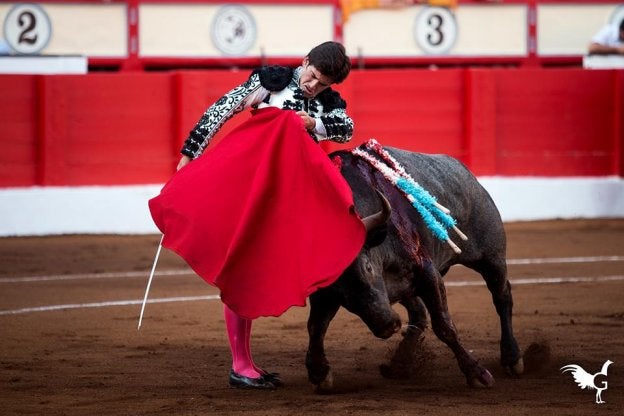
(149, 282)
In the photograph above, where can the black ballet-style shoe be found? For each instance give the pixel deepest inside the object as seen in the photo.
(238, 381)
(273, 378)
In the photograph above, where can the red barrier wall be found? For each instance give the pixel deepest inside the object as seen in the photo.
(127, 128)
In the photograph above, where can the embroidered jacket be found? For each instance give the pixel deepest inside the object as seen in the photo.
(273, 86)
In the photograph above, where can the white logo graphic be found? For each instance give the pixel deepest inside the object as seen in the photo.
(586, 380)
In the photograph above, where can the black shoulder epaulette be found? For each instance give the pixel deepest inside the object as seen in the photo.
(331, 100)
(274, 78)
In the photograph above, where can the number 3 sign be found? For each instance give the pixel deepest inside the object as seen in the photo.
(435, 30)
(27, 28)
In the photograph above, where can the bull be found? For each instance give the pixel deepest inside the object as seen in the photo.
(391, 268)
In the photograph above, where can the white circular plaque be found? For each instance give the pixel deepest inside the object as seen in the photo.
(435, 30)
(27, 28)
(233, 30)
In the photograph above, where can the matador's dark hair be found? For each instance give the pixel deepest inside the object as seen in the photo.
(331, 59)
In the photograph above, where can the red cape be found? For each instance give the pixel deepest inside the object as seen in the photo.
(264, 215)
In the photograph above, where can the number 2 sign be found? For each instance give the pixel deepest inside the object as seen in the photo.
(27, 28)
(435, 30)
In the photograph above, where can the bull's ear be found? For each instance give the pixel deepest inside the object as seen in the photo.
(376, 237)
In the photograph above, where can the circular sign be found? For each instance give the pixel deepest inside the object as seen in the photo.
(435, 30)
(27, 28)
(233, 30)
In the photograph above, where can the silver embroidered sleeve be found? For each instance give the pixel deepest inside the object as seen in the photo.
(338, 125)
(217, 114)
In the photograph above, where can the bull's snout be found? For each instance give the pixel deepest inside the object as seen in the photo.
(390, 328)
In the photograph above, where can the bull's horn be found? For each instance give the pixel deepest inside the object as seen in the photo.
(375, 220)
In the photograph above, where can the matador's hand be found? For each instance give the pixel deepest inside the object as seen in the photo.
(308, 122)
(184, 160)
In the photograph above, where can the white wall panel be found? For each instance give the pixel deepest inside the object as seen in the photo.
(568, 29)
(98, 30)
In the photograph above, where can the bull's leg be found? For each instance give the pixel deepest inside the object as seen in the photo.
(430, 288)
(402, 362)
(417, 316)
(494, 273)
(323, 308)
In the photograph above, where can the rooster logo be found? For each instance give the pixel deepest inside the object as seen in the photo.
(586, 380)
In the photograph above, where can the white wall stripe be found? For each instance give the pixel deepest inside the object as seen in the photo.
(106, 304)
(189, 272)
(551, 260)
(50, 210)
(539, 280)
(87, 276)
(463, 283)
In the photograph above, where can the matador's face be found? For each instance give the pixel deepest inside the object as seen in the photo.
(312, 81)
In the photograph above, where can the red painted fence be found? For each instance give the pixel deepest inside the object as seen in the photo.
(127, 128)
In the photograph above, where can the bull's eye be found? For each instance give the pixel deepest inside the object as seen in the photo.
(368, 267)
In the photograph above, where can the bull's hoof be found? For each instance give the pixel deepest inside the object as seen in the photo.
(483, 380)
(516, 369)
(326, 386)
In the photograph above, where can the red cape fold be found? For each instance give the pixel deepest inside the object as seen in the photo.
(264, 215)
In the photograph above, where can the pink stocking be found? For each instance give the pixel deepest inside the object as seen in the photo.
(239, 334)
(248, 323)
